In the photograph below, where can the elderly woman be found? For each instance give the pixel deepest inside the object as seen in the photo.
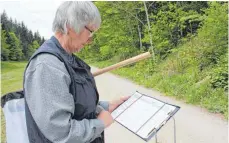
(61, 99)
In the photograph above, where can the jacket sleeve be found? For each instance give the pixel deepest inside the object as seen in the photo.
(104, 104)
(52, 106)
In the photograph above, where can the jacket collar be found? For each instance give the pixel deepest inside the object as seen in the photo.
(75, 61)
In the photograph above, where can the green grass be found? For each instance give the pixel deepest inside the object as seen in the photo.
(11, 80)
(183, 85)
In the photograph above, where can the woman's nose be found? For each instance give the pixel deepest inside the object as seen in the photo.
(89, 41)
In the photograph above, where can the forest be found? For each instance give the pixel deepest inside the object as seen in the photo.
(18, 43)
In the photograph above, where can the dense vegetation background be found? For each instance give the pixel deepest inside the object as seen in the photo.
(189, 43)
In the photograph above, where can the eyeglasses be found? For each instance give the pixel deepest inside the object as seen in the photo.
(91, 32)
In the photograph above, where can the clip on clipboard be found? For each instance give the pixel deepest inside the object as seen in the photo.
(144, 115)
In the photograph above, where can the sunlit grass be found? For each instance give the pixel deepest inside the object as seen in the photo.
(11, 80)
(183, 86)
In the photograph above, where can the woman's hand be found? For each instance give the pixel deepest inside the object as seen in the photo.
(114, 104)
(106, 117)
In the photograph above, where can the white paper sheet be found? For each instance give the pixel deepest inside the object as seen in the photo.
(125, 105)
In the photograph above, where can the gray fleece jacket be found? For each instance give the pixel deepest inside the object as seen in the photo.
(51, 104)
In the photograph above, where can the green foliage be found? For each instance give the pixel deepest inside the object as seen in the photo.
(117, 31)
(219, 74)
(22, 40)
(170, 24)
(105, 52)
(4, 47)
(214, 44)
(14, 47)
(32, 48)
(220, 78)
(213, 34)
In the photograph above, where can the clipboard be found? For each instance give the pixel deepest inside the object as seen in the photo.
(144, 115)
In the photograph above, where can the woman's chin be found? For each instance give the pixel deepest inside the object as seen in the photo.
(79, 49)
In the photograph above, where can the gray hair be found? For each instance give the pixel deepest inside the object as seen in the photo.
(76, 15)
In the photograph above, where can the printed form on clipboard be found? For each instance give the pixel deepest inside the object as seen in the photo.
(144, 115)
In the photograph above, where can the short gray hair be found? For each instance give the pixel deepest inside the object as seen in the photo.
(76, 14)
